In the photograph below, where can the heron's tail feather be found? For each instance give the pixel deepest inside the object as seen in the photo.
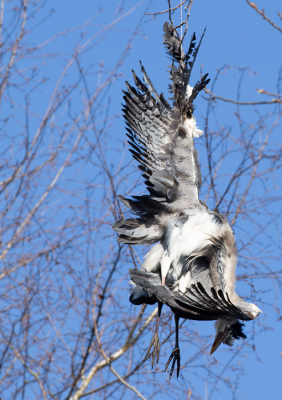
(137, 231)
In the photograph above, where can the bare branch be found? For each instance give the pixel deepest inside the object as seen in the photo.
(262, 13)
(186, 20)
(242, 103)
(262, 91)
(169, 10)
(102, 364)
(108, 361)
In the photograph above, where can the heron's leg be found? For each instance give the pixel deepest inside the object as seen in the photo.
(155, 341)
(175, 355)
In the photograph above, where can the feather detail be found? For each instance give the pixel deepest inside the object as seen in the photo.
(196, 303)
(180, 76)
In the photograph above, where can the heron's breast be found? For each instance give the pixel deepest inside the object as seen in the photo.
(194, 234)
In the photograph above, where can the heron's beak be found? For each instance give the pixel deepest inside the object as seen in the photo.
(220, 337)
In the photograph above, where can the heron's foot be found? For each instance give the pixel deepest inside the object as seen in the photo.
(175, 356)
(156, 350)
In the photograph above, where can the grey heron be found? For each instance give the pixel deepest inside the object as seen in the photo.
(191, 267)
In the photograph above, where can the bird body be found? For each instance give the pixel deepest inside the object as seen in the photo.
(191, 266)
(183, 236)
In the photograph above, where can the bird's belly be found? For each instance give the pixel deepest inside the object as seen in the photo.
(194, 234)
(185, 245)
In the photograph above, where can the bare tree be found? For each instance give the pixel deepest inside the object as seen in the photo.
(67, 329)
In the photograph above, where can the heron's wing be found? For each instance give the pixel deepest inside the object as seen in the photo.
(197, 303)
(162, 143)
(163, 147)
(151, 283)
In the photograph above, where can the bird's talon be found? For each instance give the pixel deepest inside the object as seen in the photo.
(175, 356)
(156, 350)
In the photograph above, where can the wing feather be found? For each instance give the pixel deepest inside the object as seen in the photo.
(161, 141)
(195, 303)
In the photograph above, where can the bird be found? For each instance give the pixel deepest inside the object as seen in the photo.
(192, 262)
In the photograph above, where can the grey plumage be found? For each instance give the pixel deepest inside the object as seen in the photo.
(191, 267)
(196, 304)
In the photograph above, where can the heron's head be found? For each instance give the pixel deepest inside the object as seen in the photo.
(226, 332)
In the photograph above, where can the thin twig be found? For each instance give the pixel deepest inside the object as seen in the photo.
(242, 103)
(132, 249)
(42, 199)
(262, 91)
(108, 361)
(238, 211)
(14, 50)
(262, 13)
(186, 21)
(102, 364)
(169, 10)
(114, 381)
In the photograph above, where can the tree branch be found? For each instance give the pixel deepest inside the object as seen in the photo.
(262, 13)
(102, 364)
(169, 10)
(242, 103)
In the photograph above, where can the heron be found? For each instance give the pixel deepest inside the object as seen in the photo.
(192, 263)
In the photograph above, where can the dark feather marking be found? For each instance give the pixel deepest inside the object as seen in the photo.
(237, 330)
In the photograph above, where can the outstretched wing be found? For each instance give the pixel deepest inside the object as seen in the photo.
(196, 303)
(161, 139)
